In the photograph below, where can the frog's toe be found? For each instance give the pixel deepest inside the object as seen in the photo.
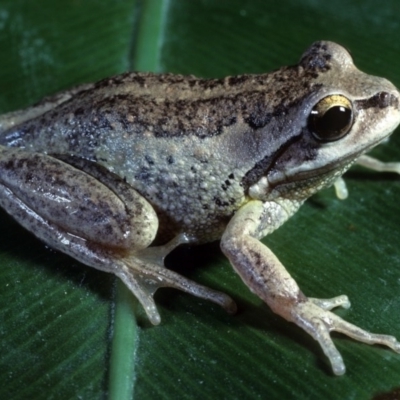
(142, 292)
(329, 304)
(313, 316)
(144, 278)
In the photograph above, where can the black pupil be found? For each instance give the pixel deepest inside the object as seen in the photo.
(333, 124)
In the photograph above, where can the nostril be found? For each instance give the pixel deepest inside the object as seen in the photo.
(383, 99)
(394, 101)
(388, 99)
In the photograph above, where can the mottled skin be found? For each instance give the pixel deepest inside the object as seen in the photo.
(104, 171)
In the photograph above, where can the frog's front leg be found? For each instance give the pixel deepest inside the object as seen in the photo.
(92, 215)
(265, 275)
(370, 163)
(377, 165)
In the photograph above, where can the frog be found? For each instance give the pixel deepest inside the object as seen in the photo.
(118, 173)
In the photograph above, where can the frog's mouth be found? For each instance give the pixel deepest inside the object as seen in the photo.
(341, 166)
(303, 184)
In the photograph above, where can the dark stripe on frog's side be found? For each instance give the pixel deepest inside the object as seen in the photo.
(167, 106)
(185, 82)
(172, 118)
(262, 167)
(202, 116)
(199, 117)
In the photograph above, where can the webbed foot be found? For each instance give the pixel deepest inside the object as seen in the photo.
(144, 273)
(314, 317)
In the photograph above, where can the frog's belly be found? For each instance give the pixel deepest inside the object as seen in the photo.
(200, 227)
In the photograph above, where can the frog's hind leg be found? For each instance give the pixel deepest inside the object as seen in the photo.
(144, 273)
(143, 270)
(95, 217)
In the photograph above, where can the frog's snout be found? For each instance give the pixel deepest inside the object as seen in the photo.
(381, 100)
(395, 102)
(391, 97)
(386, 99)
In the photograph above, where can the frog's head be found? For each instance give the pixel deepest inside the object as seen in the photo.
(341, 114)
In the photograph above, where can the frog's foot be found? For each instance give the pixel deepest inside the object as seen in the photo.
(341, 189)
(156, 255)
(377, 165)
(144, 278)
(329, 304)
(314, 317)
(370, 163)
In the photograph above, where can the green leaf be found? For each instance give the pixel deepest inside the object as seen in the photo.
(67, 331)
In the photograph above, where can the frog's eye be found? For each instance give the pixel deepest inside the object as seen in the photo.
(331, 118)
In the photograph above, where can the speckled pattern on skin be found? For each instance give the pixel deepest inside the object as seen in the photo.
(235, 128)
(102, 170)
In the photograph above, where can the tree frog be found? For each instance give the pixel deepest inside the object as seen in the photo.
(118, 173)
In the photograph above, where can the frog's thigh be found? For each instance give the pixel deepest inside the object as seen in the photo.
(38, 187)
(73, 211)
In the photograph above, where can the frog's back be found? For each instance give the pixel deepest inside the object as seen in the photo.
(193, 147)
(159, 105)
(162, 133)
